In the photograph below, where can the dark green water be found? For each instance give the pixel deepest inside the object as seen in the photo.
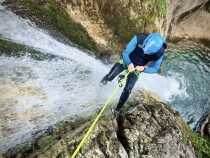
(189, 63)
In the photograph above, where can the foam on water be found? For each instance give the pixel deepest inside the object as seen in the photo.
(189, 64)
(165, 87)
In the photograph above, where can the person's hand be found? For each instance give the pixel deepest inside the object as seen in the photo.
(139, 68)
(131, 67)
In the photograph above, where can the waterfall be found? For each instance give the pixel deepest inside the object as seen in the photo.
(37, 94)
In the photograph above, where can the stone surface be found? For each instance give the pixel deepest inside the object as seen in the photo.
(110, 24)
(189, 19)
(147, 128)
(184, 19)
(113, 23)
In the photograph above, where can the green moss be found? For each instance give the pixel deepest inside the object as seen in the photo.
(124, 25)
(55, 17)
(158, 8)
(13, 49)
(9, 47)
(200, 144)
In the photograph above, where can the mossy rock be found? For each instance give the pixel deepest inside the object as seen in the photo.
(53, 17)
(8, 48)
(201, 144)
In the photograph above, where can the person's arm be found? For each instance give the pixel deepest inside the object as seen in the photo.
(154, 66)
(129, 48)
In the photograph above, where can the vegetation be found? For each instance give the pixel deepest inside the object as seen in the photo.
(124, 24)
(56, 18)
(13, 49)
(158, 7)
(115, 14)
(200, 144)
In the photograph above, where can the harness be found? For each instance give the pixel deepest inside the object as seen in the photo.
(139, 58)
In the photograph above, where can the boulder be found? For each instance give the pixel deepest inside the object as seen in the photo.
(147, 128)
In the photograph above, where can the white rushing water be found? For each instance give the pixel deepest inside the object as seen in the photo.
(36, 94)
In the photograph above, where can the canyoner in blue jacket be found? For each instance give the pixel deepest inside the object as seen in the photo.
(144, 53)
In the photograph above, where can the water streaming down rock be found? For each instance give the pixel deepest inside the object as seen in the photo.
(40, 93)
(19, 30)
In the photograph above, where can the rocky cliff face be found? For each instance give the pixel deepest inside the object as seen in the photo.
(103, 27)
(151, 129)
(113, 23)
(147, 129)
(117, 21)
(189, 19)
(106, 26)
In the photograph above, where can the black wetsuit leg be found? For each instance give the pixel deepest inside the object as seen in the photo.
(131, 80)
(115, 70)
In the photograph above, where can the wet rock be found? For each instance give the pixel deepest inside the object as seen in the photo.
(203, 125)
(108, 25)
(51, 16)
(152, 130)
(146, 128)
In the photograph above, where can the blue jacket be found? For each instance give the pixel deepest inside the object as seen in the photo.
(153, 67)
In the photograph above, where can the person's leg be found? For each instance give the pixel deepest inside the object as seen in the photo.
(131, 80)
(115, 70)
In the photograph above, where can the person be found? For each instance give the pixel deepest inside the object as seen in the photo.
(144, 53)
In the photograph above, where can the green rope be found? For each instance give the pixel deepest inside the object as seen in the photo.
(114, 92)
